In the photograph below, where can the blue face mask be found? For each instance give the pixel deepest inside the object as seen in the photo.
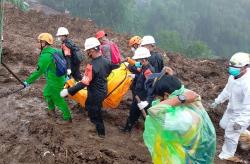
(138, 64)
(234, 71)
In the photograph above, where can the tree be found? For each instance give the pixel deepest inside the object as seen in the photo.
(170, 41)
(198, 49)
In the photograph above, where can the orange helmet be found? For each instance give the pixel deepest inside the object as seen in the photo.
(134, 40)
(46, 37)
(100, 34)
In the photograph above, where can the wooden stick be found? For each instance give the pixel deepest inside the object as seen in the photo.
(144, 114)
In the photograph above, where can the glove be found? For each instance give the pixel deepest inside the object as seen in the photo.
(69, 72)
(131, 61)
(26, 85)
(213, 105)
(131, 76)
(142, 105)
(64, 93)
(67, 78)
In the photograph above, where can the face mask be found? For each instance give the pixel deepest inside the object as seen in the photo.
(138, 64)
(59, 39)
(132, 49)
(234, 71)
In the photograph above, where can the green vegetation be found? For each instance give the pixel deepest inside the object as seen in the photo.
(194, 27)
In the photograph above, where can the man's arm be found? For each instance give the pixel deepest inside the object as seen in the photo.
(42, 67)
(114, 66)
(191, 97)
(224, 95)
(161, 62)
(73, 90)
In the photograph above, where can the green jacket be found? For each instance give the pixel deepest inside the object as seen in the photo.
(47, 67)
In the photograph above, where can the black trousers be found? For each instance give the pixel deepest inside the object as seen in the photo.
(93, 106)
(134, 113)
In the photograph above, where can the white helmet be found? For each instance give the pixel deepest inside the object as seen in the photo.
(62, 31)
(141, 53)
(147, 40)
(91, 43)
(240, 59)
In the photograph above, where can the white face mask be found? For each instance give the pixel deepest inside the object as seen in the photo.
(59, 39)
(133, 49)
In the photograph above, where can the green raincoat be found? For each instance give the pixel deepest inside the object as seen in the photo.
(54, 84)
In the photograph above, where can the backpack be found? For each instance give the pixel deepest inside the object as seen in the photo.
(60, 62)
(115, 53)
(75, 50)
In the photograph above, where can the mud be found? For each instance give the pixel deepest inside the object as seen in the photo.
(28, 135)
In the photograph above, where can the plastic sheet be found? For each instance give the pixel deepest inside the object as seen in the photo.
(179, 135)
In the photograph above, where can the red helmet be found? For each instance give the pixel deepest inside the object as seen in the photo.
(100, 34)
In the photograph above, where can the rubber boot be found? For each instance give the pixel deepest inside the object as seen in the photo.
(236, 160)
(127, 128)
(100, 130)
(51, 113)
(64, 122)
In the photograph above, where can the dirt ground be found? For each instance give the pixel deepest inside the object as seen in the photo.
(28, 135)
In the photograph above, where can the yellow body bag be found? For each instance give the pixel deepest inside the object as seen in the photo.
(118, 85)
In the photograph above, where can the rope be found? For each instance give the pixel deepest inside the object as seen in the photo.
(118, 84)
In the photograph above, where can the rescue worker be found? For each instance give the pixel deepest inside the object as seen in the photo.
(109, 49)
(70, 51)
(106, 50)
(95, 79)
(145, 69)
(182, 133)
(134, 43)
(54, 84)
(236, 118)
(155, 59)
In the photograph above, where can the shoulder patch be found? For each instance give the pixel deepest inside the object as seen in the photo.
(88, 75)
(147, 73)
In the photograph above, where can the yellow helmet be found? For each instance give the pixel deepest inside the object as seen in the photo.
(46, 37)
(134, 40)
